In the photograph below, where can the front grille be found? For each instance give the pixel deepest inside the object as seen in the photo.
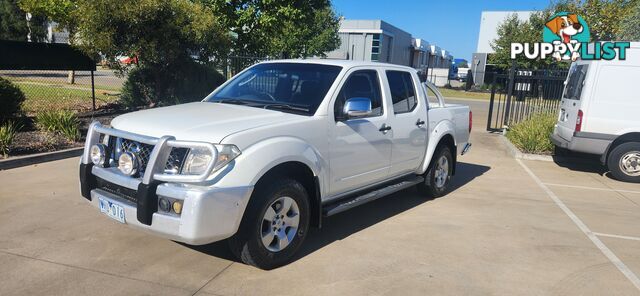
(143, 152)
(122, 192)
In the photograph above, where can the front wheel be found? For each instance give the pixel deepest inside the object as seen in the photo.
(624, 162)
(274, 224)
(438, 177)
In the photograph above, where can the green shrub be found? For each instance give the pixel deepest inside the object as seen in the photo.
(188, 82)
(8, 132)
(532, 135)
(11, 98)
(62, 122)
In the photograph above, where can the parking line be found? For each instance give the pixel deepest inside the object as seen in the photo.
(591, 188)
(617, 236)
(592, 236)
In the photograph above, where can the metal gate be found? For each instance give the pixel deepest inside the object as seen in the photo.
(520, 94)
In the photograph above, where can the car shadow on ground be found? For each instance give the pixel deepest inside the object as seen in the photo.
(580, 162)
(345, 224)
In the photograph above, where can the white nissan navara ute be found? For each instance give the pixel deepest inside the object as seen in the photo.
(271, 152)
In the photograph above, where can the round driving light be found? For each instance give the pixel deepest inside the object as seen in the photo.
(177, 207)
(164, 204)
(128, 163)
(97, 154)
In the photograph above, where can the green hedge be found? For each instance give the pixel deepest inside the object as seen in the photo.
(532, 135)
(189, 82)
(11, 99)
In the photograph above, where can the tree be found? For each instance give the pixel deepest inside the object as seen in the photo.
(61, 11)
(630, 28)
(14, 24)
(606, 20)
(279, 28)
(166, 36)
(514, 30)
(158, 32)
(604, 17)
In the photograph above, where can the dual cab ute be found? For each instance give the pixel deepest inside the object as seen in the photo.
(271, 152)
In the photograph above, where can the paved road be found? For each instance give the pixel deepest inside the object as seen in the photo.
(509, 228)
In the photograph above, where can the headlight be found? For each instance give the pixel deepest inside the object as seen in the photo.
(128, 163)
(199, 159)
(97, 154)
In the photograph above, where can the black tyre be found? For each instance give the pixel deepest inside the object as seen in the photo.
(438, 177)
(274, 225)
(624, 162)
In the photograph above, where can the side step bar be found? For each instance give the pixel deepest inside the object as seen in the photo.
(348, 203)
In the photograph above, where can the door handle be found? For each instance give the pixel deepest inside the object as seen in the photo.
(385, 128)
(420, 123)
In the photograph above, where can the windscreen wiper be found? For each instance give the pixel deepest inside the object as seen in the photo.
(232, 101)
(286, 107)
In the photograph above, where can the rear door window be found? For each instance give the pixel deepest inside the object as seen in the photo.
(403, 92)
(575, 82)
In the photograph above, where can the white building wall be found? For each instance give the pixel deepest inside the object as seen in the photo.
(489, 22)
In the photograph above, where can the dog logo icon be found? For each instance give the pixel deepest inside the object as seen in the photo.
(566, 37)
(564, 27)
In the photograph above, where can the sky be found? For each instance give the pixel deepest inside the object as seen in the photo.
(451, 24)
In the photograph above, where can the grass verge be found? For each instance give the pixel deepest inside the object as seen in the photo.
(42, 97)
(454, 93)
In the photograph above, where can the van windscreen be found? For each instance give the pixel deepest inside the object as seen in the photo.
(575, 82)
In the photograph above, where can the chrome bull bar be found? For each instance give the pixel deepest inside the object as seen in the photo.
(159, 156)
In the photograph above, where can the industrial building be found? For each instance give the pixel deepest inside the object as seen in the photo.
(489, 23)
(377, 40)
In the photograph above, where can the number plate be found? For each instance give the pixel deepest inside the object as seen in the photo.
(113, 210)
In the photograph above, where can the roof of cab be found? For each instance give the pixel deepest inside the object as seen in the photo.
(341, 63)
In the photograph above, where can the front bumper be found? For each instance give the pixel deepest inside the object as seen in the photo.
(208, 214)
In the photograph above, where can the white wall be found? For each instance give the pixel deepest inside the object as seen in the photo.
(489, 22)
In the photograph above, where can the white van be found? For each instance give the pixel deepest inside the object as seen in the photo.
(600, 113)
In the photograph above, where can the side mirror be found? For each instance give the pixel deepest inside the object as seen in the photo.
(357, 107)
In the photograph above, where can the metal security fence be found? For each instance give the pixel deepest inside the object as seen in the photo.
(232, 65)
(520, 94)
(56, 77)
(65, 89)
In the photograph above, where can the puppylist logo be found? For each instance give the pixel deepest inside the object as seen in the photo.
(566, 36)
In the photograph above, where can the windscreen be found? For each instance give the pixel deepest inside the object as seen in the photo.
(288, 87)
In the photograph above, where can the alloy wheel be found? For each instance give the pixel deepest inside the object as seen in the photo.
(280, 224)
(442, 171)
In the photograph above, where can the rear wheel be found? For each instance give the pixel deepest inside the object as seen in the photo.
(438, 176)
(274, 225)
(624, 162)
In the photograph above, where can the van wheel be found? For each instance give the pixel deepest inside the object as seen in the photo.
(624, 162)
(438, 177)
(274, 224)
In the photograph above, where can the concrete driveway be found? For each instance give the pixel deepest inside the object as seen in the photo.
(510, 227)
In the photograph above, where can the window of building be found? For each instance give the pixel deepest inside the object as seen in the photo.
(403, 92)
(375, 47)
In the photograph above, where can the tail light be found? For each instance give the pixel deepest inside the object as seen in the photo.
(579, 121)
(470, 120)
